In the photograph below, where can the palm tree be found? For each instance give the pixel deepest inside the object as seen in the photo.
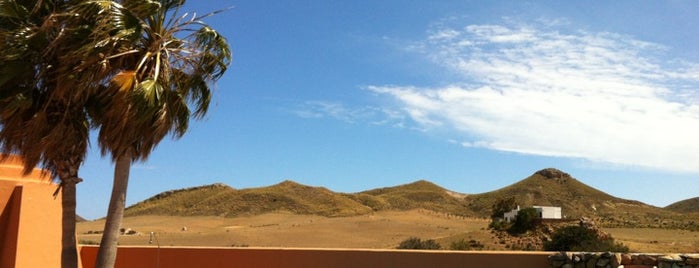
(38, 119)
(48, 87)
(163, 78)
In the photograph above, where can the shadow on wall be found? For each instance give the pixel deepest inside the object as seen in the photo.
(174, 257)
(30, 217)
(9, 222)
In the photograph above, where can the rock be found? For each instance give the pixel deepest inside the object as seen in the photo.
(558, 260)
(559, 256)
(557, 264)
(691, 259)
(552, 173)
(589, 255)
(647, 259)
(591, 263)
(670, 258)
(616, 260)
(665, 265)
(625, 259)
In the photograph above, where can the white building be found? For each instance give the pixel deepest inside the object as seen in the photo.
(544, 213)
(510, 216)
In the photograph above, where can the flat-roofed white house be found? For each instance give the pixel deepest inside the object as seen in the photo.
(544, 213)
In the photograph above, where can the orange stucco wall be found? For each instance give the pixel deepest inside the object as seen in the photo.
(30, 217)
(9, 224)
(175, 257)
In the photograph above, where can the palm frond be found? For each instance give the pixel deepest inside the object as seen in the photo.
(159, 79)
(13, 10)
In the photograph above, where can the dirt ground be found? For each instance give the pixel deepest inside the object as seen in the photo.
(377, 230)
(657, 240)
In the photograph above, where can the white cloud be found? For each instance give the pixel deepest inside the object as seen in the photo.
(445, 34)
(339, 111)
(534, 90)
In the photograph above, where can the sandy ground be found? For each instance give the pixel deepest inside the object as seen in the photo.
(377, 230)
(657, 240)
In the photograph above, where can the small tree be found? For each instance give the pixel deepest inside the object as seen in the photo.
(580, 238)
(525, 221)
(499, 225)
(417, 243)
(501, 206)
(466, 245)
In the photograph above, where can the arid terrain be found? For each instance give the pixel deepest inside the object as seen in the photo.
(657, 240)
(290, 214)
(376, 230)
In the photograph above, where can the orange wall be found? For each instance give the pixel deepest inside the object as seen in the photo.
(39, 235)
(9, 224)
(30, 217)
(174, 257)
(11, 169)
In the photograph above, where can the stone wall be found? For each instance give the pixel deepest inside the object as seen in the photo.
(615, 260)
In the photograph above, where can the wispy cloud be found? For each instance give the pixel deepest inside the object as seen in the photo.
(342, 112)
(533, 89)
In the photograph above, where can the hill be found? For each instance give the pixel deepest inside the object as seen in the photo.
(547, 187)
(552, 187)
(420, 194)
(222, 200)
(289, 196)
(685, 206)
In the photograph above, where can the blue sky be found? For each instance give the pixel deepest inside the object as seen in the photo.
(471, 95)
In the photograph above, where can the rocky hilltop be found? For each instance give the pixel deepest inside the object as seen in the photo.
(552, 187)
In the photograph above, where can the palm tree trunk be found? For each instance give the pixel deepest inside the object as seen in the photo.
(68, 174)
(69, 252)
(106, 256)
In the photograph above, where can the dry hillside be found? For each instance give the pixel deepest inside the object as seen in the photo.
(547, 187)
(685, 206)
(222, 200)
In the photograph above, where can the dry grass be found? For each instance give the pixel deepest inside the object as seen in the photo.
(377, 230)
(656, 240)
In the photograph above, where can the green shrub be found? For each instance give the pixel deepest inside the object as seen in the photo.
(466, 245)
(87, 242)
(578, 238)
(501, 206)
(417, 243)
(499, 225)
(525, 221)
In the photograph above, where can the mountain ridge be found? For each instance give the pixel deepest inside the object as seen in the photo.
(552, 187)
(690, 205)
(547, 187)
